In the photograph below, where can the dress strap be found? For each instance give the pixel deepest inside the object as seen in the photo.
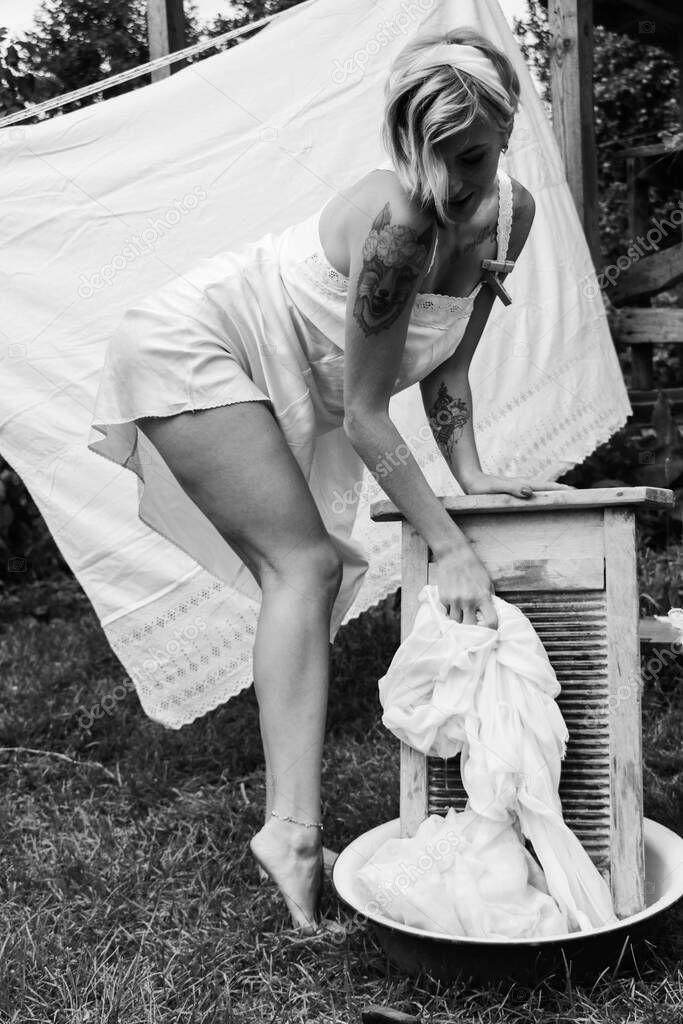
(434, 248)
(505, 204)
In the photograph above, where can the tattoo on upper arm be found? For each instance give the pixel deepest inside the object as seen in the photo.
(393, 258)
(448, 415)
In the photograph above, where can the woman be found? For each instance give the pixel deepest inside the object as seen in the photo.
(396, 260)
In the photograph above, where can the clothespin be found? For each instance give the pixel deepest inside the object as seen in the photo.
(494, 273)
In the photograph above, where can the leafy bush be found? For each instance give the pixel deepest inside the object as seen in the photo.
(660, 579)
(651, 456)
(635, 94)
(27, 549)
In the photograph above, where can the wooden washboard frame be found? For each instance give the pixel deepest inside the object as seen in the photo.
(568, 560)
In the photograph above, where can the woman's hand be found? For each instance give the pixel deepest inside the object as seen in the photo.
(520, 486)
(466, 588)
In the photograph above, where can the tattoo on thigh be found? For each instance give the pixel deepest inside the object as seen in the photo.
(448, 415)
(393, 257)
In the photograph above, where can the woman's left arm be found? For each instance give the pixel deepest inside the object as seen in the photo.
(447, 396)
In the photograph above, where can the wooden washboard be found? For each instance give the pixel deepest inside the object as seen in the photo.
(567, 559)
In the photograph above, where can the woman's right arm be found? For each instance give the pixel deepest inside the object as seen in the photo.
(389, 255)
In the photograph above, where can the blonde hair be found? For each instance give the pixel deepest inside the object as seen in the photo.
(427, 102)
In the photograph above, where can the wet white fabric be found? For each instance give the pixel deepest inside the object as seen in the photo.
(489, 695)
(673, 618)
(103, 206)
(462, 874)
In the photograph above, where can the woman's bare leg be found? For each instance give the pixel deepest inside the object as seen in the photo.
(269, 773)
(291, 677)
(329, 856)
(234, 462)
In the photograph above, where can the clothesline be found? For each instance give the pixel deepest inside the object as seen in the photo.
(137, 72)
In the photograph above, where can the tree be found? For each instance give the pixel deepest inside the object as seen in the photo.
(635, 90)
(251, 10)
(533, 37)
(76, 43)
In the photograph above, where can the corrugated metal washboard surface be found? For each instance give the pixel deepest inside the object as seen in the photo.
(572, 628)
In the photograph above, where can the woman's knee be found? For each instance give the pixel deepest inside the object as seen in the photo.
(234, 463)
(319, 565)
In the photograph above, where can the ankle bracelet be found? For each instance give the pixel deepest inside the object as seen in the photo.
(286, 817)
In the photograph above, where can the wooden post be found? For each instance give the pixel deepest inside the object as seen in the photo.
(638, 215)
(571, 84)
(166, 33)
(413, 780)
(627, 851)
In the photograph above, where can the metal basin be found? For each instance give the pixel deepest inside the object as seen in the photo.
(584, 954)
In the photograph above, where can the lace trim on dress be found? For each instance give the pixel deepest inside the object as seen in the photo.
(328, 279)
(198, 661)
(330, 282)
(505, 200)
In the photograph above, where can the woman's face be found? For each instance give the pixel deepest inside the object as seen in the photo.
(471, 159)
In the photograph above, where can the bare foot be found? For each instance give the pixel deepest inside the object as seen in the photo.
(292, 857)
(329, 857)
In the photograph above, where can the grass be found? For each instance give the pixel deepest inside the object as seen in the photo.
(127, 891)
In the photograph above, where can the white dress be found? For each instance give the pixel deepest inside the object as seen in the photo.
(265, 323)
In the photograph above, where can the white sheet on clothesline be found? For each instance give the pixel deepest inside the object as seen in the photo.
(104, 204)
